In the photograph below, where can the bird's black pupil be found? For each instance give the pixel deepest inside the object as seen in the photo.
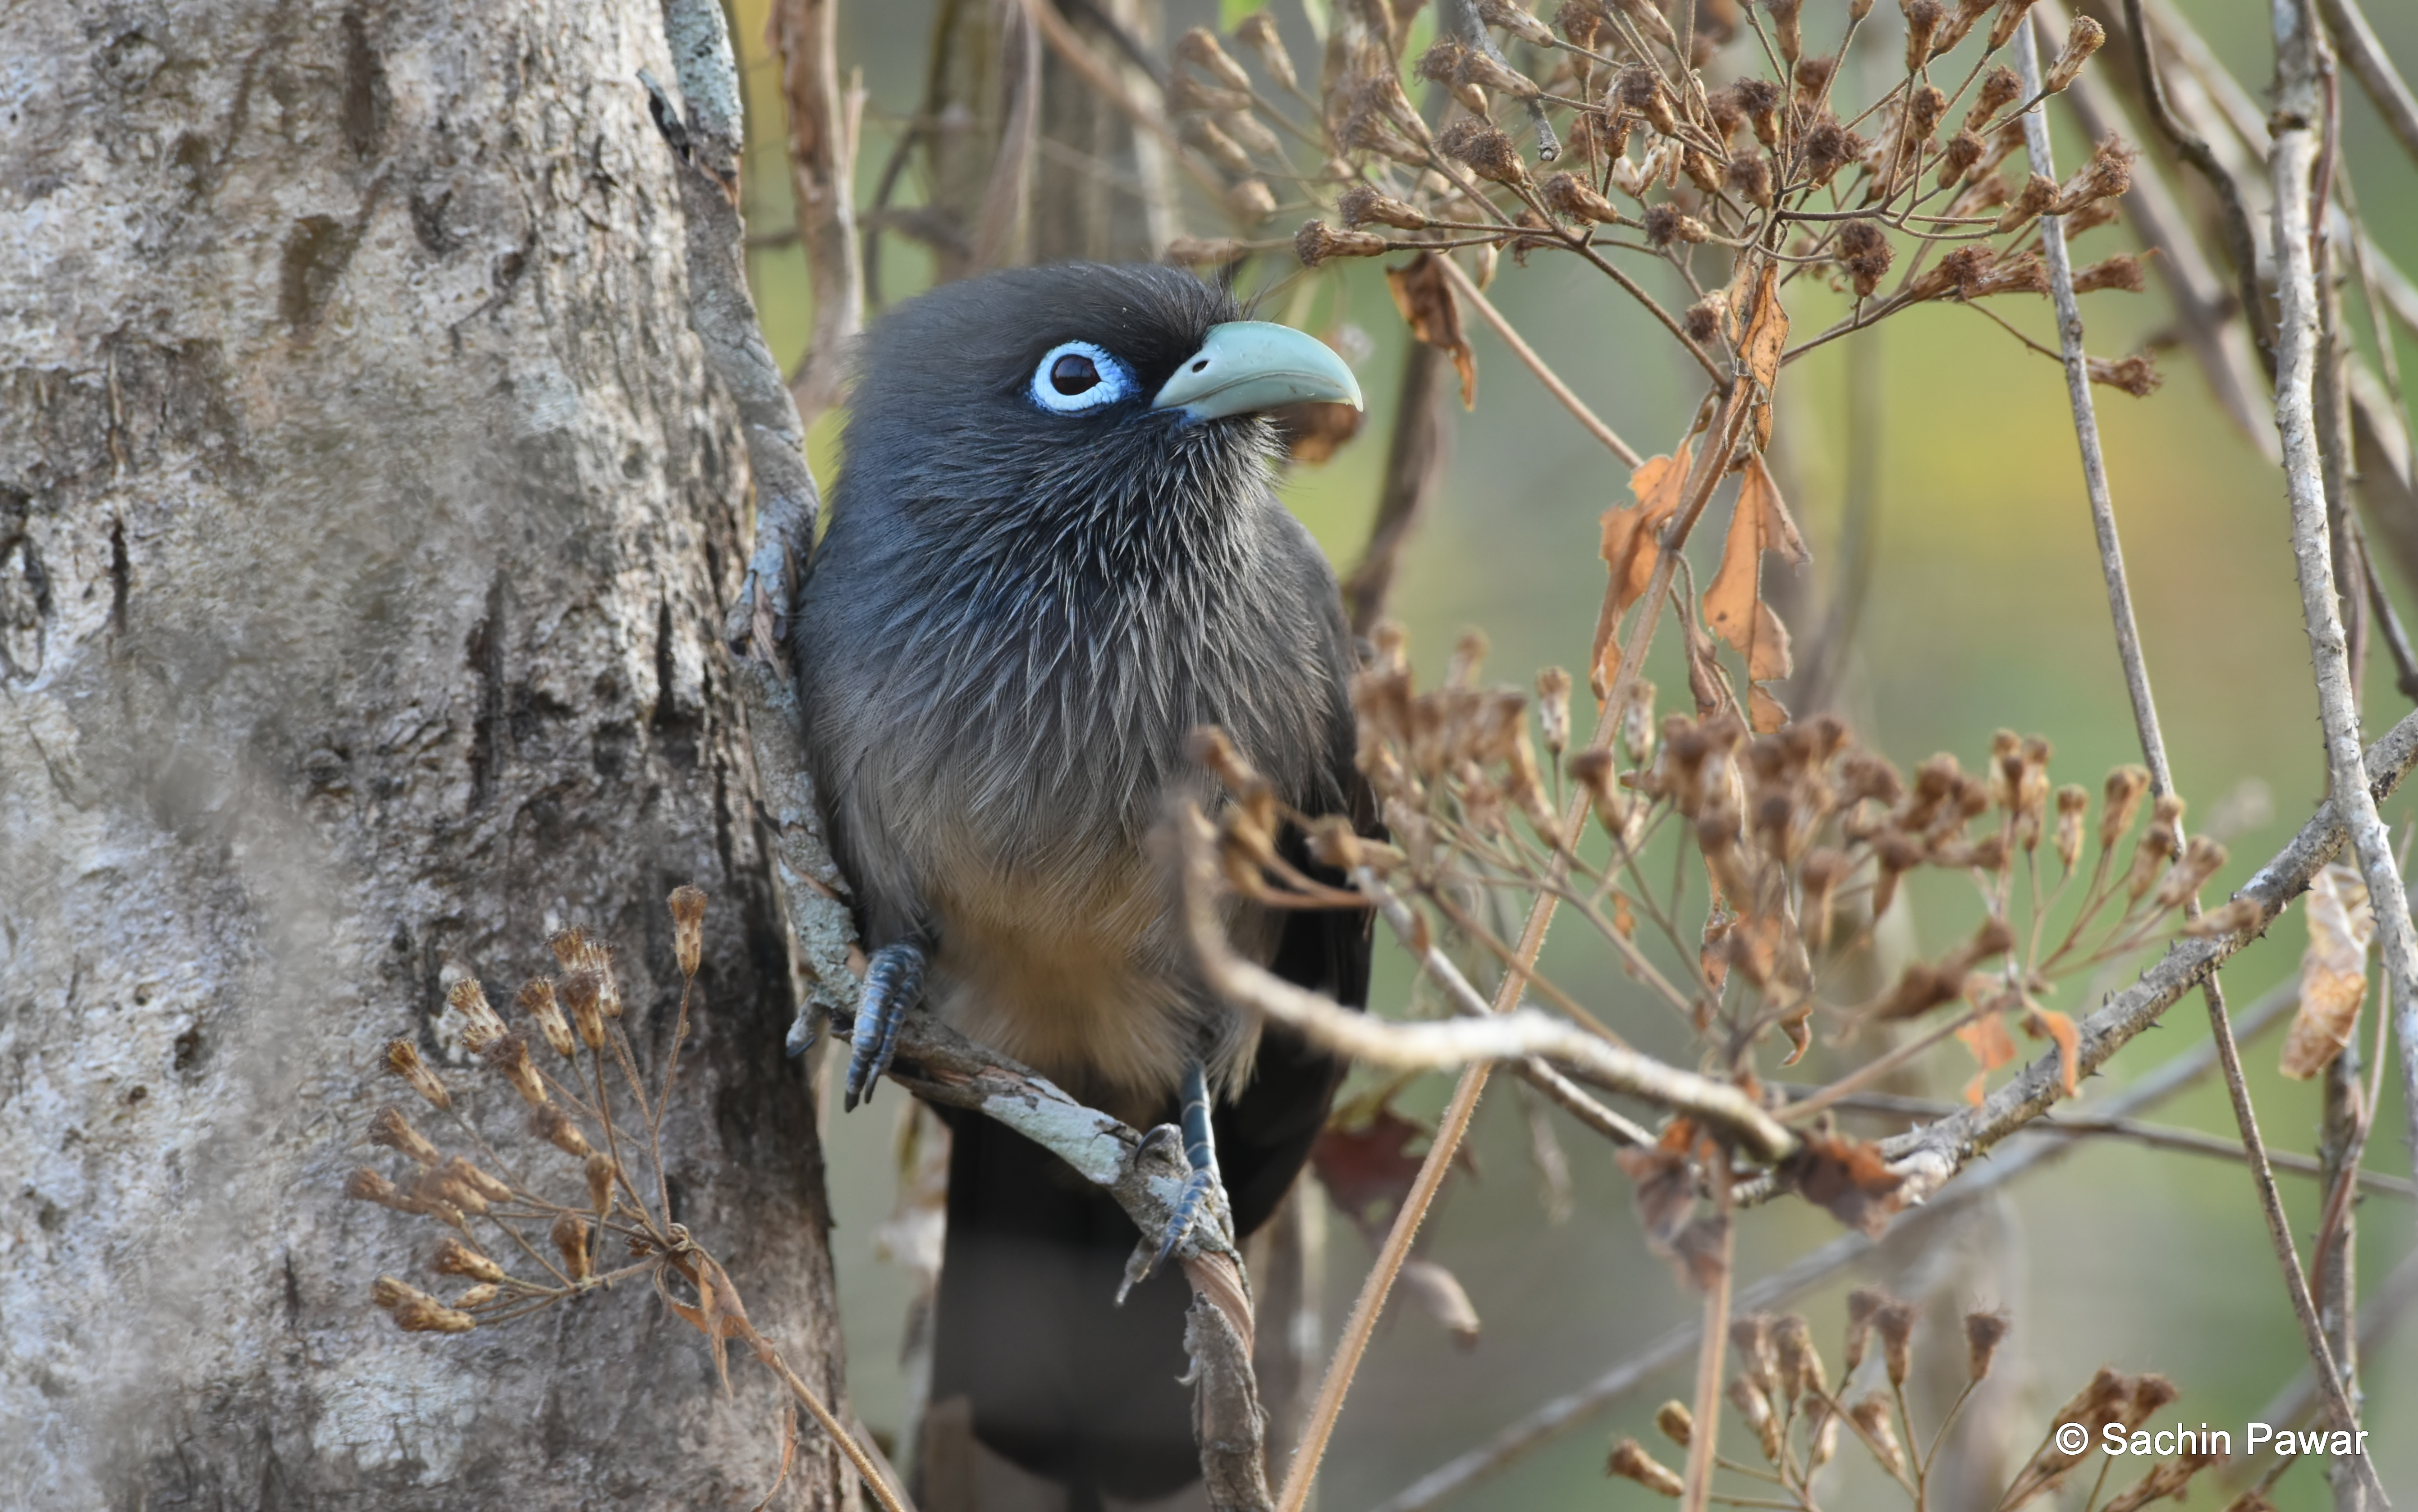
(1073, 373)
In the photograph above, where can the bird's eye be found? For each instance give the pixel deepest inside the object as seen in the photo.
(1074, 377)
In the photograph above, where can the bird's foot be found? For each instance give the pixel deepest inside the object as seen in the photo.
(1202, 1192)
(893, 983)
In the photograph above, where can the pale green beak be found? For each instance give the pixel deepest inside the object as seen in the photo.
(1247, 366)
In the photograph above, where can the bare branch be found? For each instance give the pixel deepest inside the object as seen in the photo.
(2376, 74)
(1562, 1414)
(822, 182)
(1415, 463)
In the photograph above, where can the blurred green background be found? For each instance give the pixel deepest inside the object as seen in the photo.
(1986, 610)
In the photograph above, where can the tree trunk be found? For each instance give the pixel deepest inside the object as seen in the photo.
(366, 520)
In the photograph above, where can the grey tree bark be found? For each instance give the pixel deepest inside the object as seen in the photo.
(366, 521)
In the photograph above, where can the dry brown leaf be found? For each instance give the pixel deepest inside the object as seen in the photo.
(1733, 603)
(2040, 1022)
(1425, 297)
(1798, 1028)
(1760, 346)
(1630, 552)
(1992, 1045)
(2333, 971)
(1849, 1178)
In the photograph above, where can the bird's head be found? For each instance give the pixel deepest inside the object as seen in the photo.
(1076, 385)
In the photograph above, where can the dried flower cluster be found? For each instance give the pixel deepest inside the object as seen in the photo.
(1783, 1395)
(1775, 167)
(520, 1249)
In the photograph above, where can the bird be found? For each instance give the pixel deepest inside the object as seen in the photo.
(1054, 552)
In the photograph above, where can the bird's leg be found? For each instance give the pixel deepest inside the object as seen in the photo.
(893, 983)
(1201, 1151)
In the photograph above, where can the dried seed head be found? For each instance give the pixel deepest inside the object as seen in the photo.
(2011, 15)
(2108, 175)
(1750, 1335)
(1760, 99)
(462, 1173)
(2121, 804)
(477, 1297)
(2122, 272)
(1676, 1423)
(1251, 200)
(2137, 374)
(1984, 1331)
(1871, 1414)
(1727, 112)
(2232, 919)
(1923, 21)
(1665, 226)
(481, 1026)
(570, 1236)
(2073, 805)
(1704, 320)
(1813, 76)
(1756, 1410)
(1703, 171)
(1258, 33)
(1788, 29)
(2083, 36)
(601, 1171)
(388, 1127)
(1862, 1303)
(416, 1312)
(510, 1057)
(1639, 91)
(454, 1258)
(366, 1185)
(2000, 88)
(1488, 151)
(1829, 147)
(403, 1058)
(1799, 1362)
(1553, 708)
(570, 947)
(1751, 175)
(1573, 198)
(1200, 48)
(1924, 109)
(1511, 19)
(1202, 134)
(536, 1000)
(556, 1127)
(1630, 1461)
(581, 993)
(1958, 156)
(2039, 194)
(1245, 127)
(1186, 94)
(1207, 251)
(2201, 859)
(1582, 21)
(1317, 241)
(1864, 252)
(1364, 203)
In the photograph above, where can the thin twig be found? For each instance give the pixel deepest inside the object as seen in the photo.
(1562, 1414)
(2376, 74)
(1545, 374)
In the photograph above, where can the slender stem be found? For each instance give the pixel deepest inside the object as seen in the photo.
(1537, 365)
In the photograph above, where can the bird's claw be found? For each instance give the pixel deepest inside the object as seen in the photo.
(893, 982)
(804, 1030)
(1194, 1200)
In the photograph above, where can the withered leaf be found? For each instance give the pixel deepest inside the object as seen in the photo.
(1630, 552)
(1666, 1192)
(1733, 603)
(1760, 346)
(1992, 1045)
(2039, 1023)
(1368, 1169)
(1312, 432)
(1426, 299)
(2333, 971)
(1849, 1178)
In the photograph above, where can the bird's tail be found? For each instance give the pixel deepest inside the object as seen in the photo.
(1059, 1379)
